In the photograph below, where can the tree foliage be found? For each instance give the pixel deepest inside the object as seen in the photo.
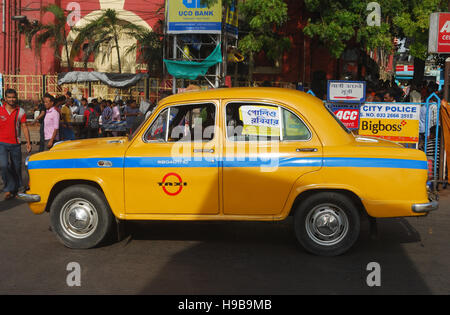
(414, 22)
(260, 21)
(149, 48)
(55, 32)
(336, 23)
(105, 32)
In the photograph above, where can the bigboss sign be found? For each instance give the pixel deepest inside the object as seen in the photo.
(439, 33)
(391, 121)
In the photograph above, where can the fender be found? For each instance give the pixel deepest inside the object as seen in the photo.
(312, 181)
(104, 179)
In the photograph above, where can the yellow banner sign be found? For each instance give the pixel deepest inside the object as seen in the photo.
(397, 122)
(190, 16)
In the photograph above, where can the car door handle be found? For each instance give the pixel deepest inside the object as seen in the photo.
(306, 150)
(203, 150)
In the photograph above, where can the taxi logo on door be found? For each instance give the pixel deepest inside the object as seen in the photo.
(172, 184)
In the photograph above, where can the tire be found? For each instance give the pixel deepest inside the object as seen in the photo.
(80, 217)
(327, 224)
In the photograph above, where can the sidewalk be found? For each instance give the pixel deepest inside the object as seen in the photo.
(34, 134)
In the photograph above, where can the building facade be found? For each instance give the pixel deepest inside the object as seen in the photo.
(307, 61)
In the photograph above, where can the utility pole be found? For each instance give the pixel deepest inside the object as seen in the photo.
(446, 78)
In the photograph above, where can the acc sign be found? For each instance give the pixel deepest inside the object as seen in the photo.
(439, 33)
(349, 117)
(346, 91)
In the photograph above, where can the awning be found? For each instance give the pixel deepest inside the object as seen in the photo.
(191, 69)
(117, 80)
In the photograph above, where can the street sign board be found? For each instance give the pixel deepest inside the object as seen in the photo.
(346, 91)
(398, 122)
(348, 116)
(439, 33)
(191, 16)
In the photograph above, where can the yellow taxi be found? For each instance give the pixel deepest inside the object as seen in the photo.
(256, 154)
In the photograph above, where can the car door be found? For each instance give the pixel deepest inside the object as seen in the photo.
(173, 168)
(267, 148)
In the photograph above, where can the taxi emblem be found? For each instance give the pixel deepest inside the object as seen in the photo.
(168, 182)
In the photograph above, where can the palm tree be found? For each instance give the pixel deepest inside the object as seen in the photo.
(149, 48)
(55, 32)
(105, 31)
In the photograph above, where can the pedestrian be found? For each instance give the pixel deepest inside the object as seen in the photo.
(12, 120)
(75, 101)
(414, 94)
(59, 102)
(131, 112)
(91, 122)
(40, 119)
(97, 106)
(66, 131)
(389, 96)
(116, 111)
(51, 121)
(84, 106)
(74, 108)
(107, 114)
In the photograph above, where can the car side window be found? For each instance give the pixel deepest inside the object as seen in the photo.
(252, 122)
(192, 123)
(157, 131)
(186, 123)
(293, 127)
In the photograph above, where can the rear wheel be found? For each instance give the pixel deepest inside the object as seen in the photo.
(80, 216)
(327, 224)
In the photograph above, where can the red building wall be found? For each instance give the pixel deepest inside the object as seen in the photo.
(304, 58)
(306, 55)
(15, 58)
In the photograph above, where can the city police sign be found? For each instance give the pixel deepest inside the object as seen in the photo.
(346, 91)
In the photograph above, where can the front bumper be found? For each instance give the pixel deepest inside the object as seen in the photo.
(425, 207)
(28, 197)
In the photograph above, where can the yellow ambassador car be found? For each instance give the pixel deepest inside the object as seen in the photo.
(254, 154)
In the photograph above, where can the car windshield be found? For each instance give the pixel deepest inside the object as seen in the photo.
(136, 131)
(338, 120)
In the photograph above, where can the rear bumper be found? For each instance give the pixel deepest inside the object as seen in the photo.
(425, 207)
(28, 197)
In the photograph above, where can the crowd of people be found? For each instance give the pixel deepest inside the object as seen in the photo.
(388, 91)
(66, 118)
(60, 118)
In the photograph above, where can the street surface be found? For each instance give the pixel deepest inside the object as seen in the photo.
(248, 258)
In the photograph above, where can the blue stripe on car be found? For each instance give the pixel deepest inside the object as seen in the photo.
(150, 162)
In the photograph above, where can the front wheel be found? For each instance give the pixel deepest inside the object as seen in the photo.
(80, 217)
(327, 224)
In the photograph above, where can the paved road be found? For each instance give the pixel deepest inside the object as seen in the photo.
(224, 258)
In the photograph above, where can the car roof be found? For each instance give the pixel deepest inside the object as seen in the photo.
(308, 105)
(261, 93)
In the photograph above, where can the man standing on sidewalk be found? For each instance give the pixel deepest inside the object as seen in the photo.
(51, 121)
(12, 118)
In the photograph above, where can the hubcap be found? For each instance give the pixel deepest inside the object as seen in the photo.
(326, 224)
(79, 218)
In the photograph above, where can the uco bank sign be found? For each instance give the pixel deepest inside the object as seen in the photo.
(439, 34)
